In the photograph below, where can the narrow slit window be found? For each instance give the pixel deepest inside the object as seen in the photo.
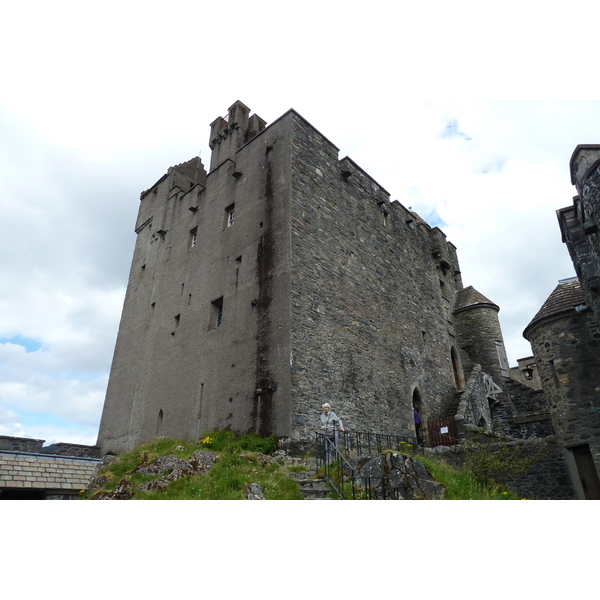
(216, 313)
(238, 262)
(193, 237)
(229, 215)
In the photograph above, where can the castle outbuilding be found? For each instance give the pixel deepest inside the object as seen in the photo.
(282, 279)
(565, 333)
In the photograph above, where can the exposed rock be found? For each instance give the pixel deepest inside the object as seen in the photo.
(121, 492)
(97, 482)
(254, 492)
(169, 467)
(200, 462)
(394, 475)
(164, 464)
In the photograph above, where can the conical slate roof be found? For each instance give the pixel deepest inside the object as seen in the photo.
(469, 297)
(563, 300)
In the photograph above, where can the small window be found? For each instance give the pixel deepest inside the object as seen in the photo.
(216, 313)
(502, 358)
(159, 423)
(193, 237)
(443, 289)
(238, 263)
(229, 215)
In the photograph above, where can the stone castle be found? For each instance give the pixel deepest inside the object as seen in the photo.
(285, 277)
(279, 280)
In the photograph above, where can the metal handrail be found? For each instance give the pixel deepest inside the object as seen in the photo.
(338, 471)
(325, 449)
(374, 443)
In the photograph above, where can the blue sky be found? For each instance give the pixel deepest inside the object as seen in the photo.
(96, 102)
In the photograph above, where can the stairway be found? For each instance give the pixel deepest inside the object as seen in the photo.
(311, 486)
(452, 407)
(314, 489)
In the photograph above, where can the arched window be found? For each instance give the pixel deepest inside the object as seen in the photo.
(456, 369)
(159, 423)
(416, 400)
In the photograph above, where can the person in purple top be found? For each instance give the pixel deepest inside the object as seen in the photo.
(417, 425)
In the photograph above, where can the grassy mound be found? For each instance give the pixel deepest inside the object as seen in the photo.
(242, 460)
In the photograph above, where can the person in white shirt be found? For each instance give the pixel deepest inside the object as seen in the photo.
(330, 425)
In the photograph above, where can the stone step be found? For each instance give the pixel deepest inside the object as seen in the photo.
(314, 489)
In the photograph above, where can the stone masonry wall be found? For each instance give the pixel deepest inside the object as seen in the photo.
(567, 350)
(582, 227)
(546, 480)
(590, 201)
(68, 449)
(19, 444)
(371, 322)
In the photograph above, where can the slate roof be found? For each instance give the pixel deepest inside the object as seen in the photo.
(566, 296)
(469, 297)
(47, 472)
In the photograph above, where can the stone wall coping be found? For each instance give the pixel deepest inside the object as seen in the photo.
(359, 168)
(50, 456)
(12, 437)
(580, 148)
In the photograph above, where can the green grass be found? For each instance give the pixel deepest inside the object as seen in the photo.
(249, 459)
(462, 484)
(242, 460)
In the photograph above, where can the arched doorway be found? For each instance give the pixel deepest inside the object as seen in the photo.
(417, 415)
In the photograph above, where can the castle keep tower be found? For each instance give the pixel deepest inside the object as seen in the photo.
(279, 280)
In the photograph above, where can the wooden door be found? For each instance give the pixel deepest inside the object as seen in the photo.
(587, 472)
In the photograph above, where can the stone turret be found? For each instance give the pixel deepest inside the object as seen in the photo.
(228, 134)
(564, 339)
(479, 333)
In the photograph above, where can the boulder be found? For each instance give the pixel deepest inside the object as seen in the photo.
(395, 475)
(254, 492)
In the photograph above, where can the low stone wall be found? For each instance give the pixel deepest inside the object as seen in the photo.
(19, 444)
(79, 450)
(546, 480)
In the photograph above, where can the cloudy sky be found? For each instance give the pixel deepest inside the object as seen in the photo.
(467, 116)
